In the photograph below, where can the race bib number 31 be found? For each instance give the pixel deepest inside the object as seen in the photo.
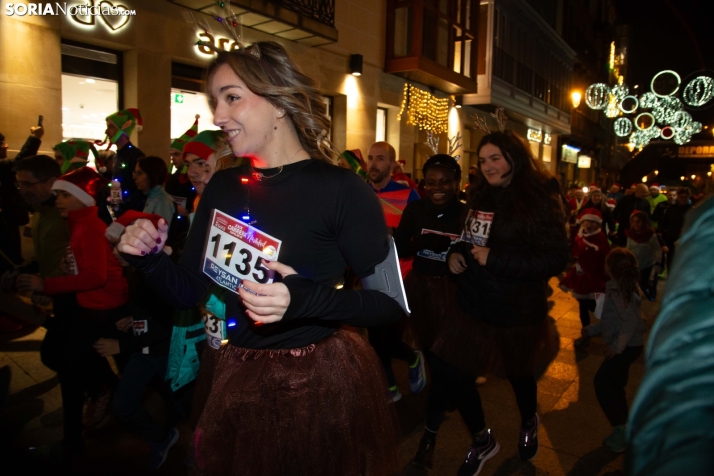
(234, 251)
(477, 228)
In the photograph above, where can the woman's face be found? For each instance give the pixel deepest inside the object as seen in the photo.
(440, 185)
(249, 120)
(636, 223)
(141, 179)
(596, 197)
(493, 166)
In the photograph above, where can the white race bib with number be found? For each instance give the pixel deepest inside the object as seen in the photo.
(234, 251)
(477, 227)
(215, 328)
(428, 254)
(141, 327)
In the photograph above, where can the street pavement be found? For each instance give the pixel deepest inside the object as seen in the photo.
(571, 431)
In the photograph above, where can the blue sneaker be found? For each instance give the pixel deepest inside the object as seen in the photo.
(478, 455)
(159, 451)
(417, 374)
(395, 393)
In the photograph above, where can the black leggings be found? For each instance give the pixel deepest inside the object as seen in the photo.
(387, 342)
(448, 382)
(586, 306)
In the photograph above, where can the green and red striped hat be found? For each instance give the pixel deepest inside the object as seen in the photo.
(179, 143)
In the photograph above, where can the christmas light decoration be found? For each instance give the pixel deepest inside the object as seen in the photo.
(667, 133)
(644, 121)
(628, 104)
(597, 96)
(699, 91)
(684, 135)
(612, 109)
(622, 127)
(425, 110)
(620, 91)
(642, 137)
(674, 75)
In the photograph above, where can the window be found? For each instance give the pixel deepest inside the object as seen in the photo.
(381, 125)
(188, 99)
(91, 90)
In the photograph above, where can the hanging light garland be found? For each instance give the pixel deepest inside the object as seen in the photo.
(425, 110)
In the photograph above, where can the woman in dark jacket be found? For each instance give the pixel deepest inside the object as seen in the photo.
(513, 241)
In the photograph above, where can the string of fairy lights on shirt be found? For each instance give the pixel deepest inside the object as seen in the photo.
(424, 110)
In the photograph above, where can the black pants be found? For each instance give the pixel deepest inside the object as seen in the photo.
(387, 342)
(67, 349)
(610, 381)
(586, 306)
(645, 280)
(448, 382)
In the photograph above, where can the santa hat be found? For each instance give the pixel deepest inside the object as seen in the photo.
(125, 120)
(593, 186)
(75, 148)
(204, 144)
(617, 184)
(591, 214)
(186, 137)
(84, 184)
(655, 185)
(611, 202)
(115, 230)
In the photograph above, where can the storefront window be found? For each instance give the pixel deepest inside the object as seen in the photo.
(86, 102)
(381, 125)
(184, 107)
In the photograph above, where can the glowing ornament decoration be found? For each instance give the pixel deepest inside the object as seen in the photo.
(644, 121)
(665, 83)
(597, 96)
(622, 127)
(612, 109)
(667, 133)
(648, 101)
(684, 135)
(620, 91)
(699, 91)
(642, 137)
(425, 110)
(628, 104)
(681, 120)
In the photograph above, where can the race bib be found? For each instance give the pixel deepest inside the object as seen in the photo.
(141, 327)
(71, 262)
(477, 227)
(428, 254)
(234, 251)
(215, 329)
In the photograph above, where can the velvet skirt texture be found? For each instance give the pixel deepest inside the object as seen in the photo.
(319, 410)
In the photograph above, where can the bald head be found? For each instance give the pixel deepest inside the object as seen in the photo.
(641, 190)
(381, 160)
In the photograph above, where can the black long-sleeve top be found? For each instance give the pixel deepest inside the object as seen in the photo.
(510, 290)
(326, 217)
(423, 214)
(122, 169)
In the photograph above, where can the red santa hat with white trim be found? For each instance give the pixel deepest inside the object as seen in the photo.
(115, 230)
(84, 184)
(591, 214)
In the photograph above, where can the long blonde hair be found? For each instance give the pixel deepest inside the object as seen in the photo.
(267, 71)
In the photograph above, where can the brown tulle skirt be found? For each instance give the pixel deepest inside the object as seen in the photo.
(204, 381)
(320, 410)
(480, 348)
(429, 300)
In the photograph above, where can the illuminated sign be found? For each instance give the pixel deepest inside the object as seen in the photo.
(178, 98)
(584, 162)
(698, 151)
(535, 136)
(221, 43)
(547, 138)
(115, 17)
(570, 154)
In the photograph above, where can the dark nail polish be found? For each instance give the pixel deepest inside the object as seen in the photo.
(143, 253)
(156, 248)
(158, 241)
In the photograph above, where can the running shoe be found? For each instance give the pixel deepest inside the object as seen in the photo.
(396, 394)
(417, 374)
(159, 451)
(425, 454)
(528, 441)
(617, 441)
(478, 455)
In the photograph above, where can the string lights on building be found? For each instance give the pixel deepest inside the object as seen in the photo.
(425, 110)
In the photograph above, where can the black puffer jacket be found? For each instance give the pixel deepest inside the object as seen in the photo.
(511, 289)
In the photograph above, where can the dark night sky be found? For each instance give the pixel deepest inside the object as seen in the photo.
(669, 34)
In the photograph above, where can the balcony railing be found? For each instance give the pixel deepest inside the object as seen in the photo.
(320, 10)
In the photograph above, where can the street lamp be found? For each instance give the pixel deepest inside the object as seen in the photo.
(576, 97)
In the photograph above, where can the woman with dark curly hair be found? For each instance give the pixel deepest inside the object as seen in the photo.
(513, 241)
(292, 392)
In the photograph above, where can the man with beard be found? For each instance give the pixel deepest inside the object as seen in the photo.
(381, 161)
(394, 197)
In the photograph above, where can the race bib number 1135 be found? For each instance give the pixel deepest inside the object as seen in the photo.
(234, 250)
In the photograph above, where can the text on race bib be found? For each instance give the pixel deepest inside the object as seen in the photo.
(215, 329)
(428, 254)
(477, 227)
(141, 327)
(234, 251)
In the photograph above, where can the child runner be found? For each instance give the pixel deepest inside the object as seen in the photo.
(643, 243)
(588, 276)
(622, 330)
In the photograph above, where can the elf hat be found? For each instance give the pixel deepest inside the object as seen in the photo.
(186, 137)
(355, 161)
(125, 120)
(205, 143)
(84, 183)
(76, 148)
(591, 214)
(115, 230)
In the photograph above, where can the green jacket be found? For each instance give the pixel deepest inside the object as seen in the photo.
(50, 237)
